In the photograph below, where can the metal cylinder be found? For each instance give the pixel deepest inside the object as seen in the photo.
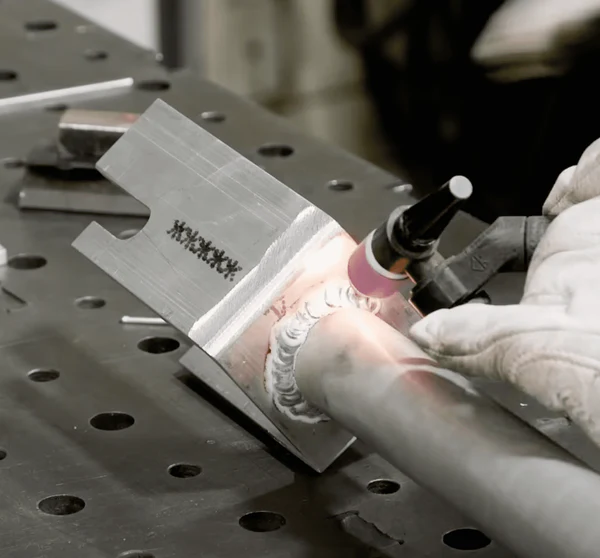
(523, 490)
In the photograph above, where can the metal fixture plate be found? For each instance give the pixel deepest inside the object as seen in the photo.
(131, 501)
(80, 196)
(227, 252)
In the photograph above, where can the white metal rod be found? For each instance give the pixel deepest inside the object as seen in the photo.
(78, 92)
(523, 490)
(142, 320)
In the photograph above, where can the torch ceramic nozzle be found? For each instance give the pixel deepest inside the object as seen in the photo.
(367, 276)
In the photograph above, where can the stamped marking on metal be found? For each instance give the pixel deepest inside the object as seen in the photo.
(204, 250)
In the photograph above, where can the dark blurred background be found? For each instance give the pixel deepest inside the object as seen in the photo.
(442, 115)
(391, 80)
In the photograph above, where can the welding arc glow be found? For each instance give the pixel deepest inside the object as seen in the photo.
(328, 256)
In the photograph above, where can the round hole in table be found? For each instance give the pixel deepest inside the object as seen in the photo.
(158, 345)
(8, 75)
(112, 421)
(262, 521)
(383, 486)
(42, 375)
(95, 55)
(184, 470)
(153, 85)
(90, 302)
(273, 150)
(61, 504)
(27, 262)
(466, 539)
(340, 185)
(41, 25)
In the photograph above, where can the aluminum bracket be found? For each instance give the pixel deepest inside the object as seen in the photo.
(228, 251)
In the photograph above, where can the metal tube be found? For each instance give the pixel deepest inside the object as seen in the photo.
(85, 92)
(523, 490)
(142, 320)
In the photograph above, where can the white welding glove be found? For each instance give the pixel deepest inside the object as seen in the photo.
(549, 344)
(531, 31)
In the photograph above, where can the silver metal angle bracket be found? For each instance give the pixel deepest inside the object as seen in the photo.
(227, 253)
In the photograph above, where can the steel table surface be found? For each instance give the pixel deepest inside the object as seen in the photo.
(89, 439)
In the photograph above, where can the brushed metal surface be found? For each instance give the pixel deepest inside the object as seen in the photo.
(62, 194)
(224, 239)
(227, 252)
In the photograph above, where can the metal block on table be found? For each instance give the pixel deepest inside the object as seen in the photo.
(227, 253)
(76, 193)
(61, 174)
(86, 135)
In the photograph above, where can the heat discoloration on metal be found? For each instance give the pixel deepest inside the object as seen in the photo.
(288, 336)
(253, 251)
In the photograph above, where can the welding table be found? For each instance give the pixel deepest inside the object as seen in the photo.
(108, 446)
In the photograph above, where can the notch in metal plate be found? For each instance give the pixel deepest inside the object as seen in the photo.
(228, 252)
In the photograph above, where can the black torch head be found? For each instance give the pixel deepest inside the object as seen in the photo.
(424, 222)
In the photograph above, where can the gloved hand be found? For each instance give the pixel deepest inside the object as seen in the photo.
(532, 32)
(549, 344)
